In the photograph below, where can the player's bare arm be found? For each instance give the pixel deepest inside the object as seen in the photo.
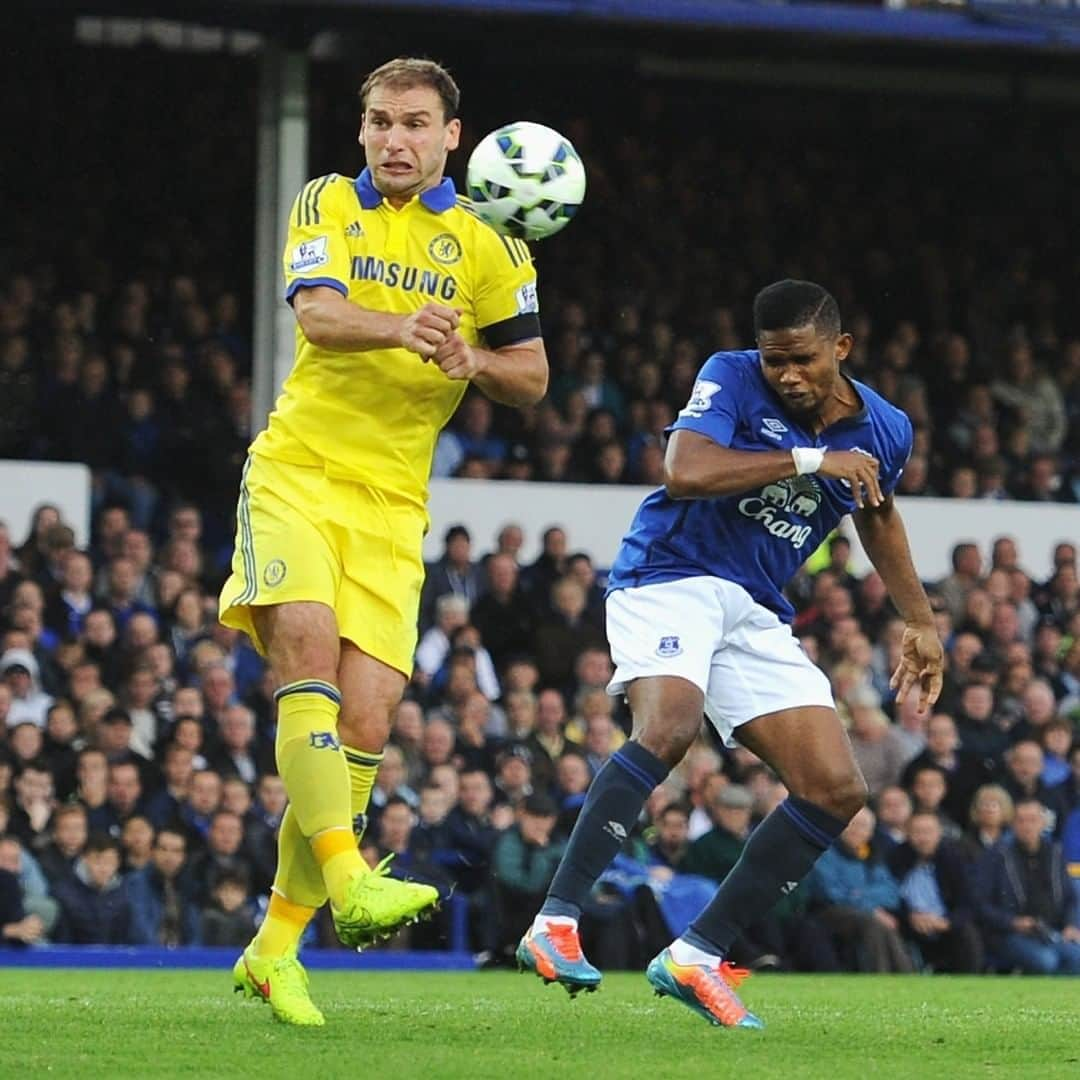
(331, 321)
(882, 532)
(513, 375)
(696, 467)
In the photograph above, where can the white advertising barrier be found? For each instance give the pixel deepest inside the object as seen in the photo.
(25, 485)
(596, 516)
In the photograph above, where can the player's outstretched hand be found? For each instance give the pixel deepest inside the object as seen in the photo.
(456, 359)
(425, 330)
(860, 471)
(922, 660)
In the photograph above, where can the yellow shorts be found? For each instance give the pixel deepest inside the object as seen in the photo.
(302, 535)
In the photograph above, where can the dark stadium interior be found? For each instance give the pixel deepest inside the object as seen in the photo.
(943, 217)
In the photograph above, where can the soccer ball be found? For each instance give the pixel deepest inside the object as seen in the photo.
(525, 180)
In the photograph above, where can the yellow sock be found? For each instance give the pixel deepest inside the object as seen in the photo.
(298, 875)
(338, 858)
(282, 927)
(362, 769)
(313, 767)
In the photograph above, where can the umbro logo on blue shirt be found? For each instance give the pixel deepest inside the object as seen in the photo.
(772, 427)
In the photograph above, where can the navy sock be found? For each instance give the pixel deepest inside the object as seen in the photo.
(777, 856)
(611, 809)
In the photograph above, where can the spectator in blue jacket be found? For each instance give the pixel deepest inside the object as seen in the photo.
(94, 907)
(859, 901)
(162, 911)
(1027, 903)
(937, 904)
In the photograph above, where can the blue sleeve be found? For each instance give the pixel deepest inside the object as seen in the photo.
(881, 889)
(899, 451)
(713, 408)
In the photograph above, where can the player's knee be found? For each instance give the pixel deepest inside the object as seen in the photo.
(668, 739)
(842, 796)
(365, 725)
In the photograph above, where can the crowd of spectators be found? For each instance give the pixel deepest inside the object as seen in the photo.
(138, 798)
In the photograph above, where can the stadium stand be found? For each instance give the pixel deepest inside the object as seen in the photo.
(138, 800)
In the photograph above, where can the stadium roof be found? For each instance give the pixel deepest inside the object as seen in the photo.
(976, 23)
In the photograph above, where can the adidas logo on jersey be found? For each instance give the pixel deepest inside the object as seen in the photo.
(355, 229)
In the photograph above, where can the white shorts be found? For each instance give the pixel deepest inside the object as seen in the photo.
(712, 633)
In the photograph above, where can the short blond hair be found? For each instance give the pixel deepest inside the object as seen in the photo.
(1002, 796)
(408, 71)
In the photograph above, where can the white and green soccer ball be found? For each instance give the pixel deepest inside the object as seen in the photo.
(526, 180)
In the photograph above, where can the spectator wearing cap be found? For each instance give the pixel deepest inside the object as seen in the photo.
(937, 910)
(454, 572)
(715, 853)
(524, 863)
(113, 735)
(857, 901)
(94, 905)
(1027, 905)
(879, 751)
(964, 772)
(503, 615)
(21, 673)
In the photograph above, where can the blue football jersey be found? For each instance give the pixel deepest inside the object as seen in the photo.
(757, 539)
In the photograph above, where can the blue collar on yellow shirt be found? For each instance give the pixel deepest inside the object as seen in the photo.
(437, 199)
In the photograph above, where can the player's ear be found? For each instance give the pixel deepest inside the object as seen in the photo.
(453, 134)
(843, 347)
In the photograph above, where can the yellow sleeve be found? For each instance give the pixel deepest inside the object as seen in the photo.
(315, 251)
(507, 308)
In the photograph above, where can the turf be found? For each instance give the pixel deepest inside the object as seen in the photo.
(178, 1023)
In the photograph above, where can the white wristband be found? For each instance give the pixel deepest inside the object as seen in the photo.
(808, 459)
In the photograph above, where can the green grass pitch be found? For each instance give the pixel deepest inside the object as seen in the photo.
(91, 1024)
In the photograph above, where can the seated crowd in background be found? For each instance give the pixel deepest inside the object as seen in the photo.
(139, 801)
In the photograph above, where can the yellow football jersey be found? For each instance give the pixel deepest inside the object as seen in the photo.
(374, 416)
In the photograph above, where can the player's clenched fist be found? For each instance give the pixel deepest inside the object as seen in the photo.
(860, 471)
(457, 359)
(425, 330)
